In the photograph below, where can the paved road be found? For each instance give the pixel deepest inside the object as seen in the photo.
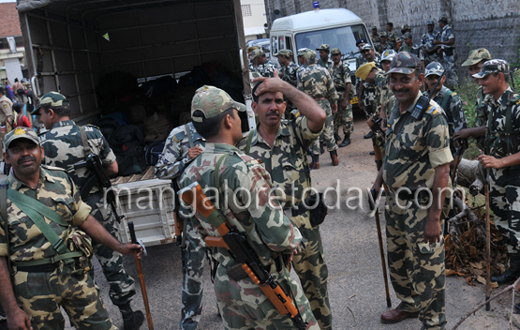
(355, 277)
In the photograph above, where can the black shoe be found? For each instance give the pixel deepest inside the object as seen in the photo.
(369, 135)
(134, 321)
(322, 148)
(345, 142)
(511, 274)
(372, 153)
(337, 138)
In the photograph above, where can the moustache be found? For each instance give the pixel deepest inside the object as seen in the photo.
(273, 112)
(26, 158)
(402, 90)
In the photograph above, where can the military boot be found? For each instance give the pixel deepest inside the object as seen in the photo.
(512, 273)
(334, 157)
(131, 320)
(322, 148)
(346, 141)
(337, 137)
(315, 164)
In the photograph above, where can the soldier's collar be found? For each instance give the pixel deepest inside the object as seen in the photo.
(503, 100)
(16, 184)
(63, 123)
(44, 174)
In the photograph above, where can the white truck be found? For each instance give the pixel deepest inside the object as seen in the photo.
(71, 44)
(339, 28)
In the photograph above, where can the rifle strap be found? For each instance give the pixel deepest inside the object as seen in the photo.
(3, 213)
(249, 141)
(86, 147)
(187, 129)
(446, 100)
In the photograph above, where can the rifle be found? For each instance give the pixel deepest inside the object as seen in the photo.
(236, 243)
(179, 223)
(488, 241)
(93, 163)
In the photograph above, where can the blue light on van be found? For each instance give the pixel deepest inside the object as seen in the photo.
(316, 5)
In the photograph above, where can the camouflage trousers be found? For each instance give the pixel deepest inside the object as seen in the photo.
(344, 118)
(40, 295)
(452, 79)
(416, 268)
(122, 285)
(192, 257)
(328, 131)
(244, 306)
(505, 204)
(312, 270)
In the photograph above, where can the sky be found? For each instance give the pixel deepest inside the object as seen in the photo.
(2, 1)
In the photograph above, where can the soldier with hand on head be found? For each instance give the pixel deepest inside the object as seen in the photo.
(40, 240)
(66, 145)
(502, 158)
(317, 83)
(240, 187)
(416, 171)
(343, 84)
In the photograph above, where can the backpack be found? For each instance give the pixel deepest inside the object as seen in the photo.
(153, 151)
(127, 143)
(107, 126)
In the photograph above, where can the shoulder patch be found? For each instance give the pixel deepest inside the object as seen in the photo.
(432, 111)
(179, 136)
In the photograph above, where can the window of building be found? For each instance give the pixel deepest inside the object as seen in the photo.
(246, 10)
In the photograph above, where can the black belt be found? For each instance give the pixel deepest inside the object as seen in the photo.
(48, 268)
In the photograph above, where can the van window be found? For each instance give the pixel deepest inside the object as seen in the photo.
(288, 43)
(343, 38)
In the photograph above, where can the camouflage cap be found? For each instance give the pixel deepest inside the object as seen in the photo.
(384, 34)
(407, 35)
(476, 56)
(388, 55)
(443, 19)
(374, 27)
(367, 47)
(310, 54)
(324, 47)
(20, 133)
(430, 22)
(302, 51)
(406, 27)
(492, 66)
(363, 71)
(335, 51)
(284, 52)
(52, 99)
(213, 101)
(434, 68)
(404, 62)
(256, 53)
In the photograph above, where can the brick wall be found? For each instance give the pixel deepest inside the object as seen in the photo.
(9, 21)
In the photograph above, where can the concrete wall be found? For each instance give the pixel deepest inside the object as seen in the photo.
(493, 24)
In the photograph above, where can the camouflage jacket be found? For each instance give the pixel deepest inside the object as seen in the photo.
(381, 48)
(246, 200)
(447, 34)
(376, 38)
(327, 65)
(415, 147)
(415, 49)
(174, 158)
(341, 77)
(264, 70)
(481, 109)
(64, 148)
(454, 111)
(299, 72)
(387, 98)
(371, 97)
(285, 158)
(427, 39)
(377, 61)
(317, 82)
(58, 192)
(289, 73)
(392, 38)
(503, 136)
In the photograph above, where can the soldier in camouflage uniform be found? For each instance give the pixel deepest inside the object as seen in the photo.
(275, 143)
(392, 35)
(343, 84)
(182, 146)
(325, 61)
(261, 65)
(502, 158)
(270, 234)
(475, 61)
(301, 62)
(287, 67)
(317, 83)
(42, 285)
(383, 43)
(416, 170)
(367, 91)
(409, 47)
(448, 100)
(6, 116)
(376, 38)
(427, 44)
(447, 42)
(63, 146)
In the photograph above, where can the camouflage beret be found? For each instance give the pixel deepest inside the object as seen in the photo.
(384, 34)
(310, 54)
(434, 68)
(335, 51)
(324, 47)
(443, 19)
(404, 62)
(302, 51)
(284, 52)
(367, 47)
(20, 133)
(212, 101)
(256, 53)
(430, 22)
(363, 71)
(388, 55)
(407, 35)
(361, 41)
(52, 99)
(476, 56)
(492, 66)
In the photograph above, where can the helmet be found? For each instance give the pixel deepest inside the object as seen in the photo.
(388, 55)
